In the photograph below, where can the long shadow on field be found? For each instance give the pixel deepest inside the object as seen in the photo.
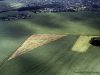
(16, 30)
(20, 28)
(91, 19)
(46, 60)
(47, 20)
(55, 58)
(26, 65)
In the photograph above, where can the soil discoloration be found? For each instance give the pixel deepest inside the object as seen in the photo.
(33, 42)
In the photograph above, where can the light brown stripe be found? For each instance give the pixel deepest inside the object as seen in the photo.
(33, 42)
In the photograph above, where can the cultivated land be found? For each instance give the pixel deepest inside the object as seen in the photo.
(54, 57)
(84, 23)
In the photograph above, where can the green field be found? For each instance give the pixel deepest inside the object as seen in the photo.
(85, 23)
(54, 58)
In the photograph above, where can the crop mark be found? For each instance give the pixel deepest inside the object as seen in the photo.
(33, 42)
(82, 44)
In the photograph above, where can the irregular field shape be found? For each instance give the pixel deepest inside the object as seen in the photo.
(55, 58)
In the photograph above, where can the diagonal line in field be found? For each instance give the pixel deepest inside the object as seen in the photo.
(33, 42)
